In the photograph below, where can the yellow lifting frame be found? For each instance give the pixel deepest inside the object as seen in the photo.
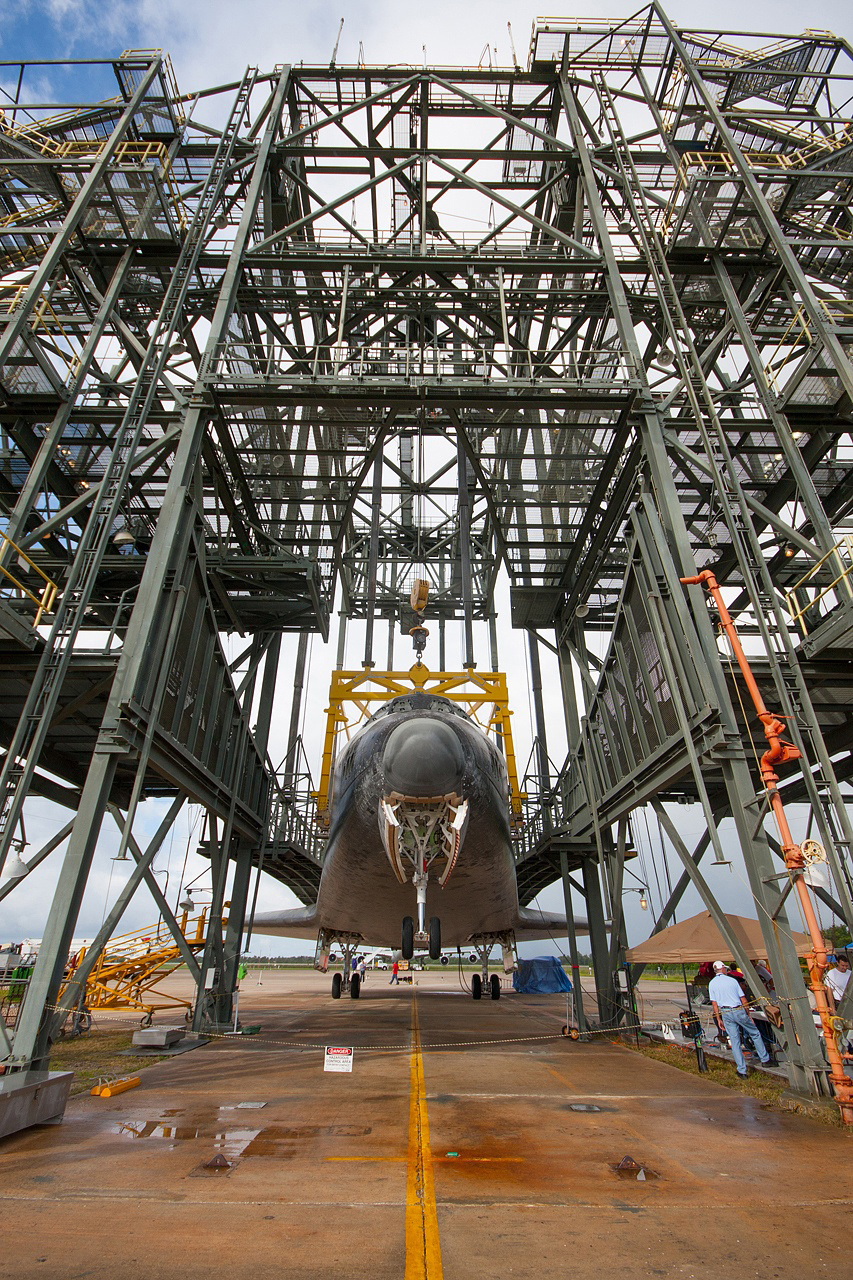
(475, 690)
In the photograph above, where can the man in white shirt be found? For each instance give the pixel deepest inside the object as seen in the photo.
(731, 1011)
(836, 981)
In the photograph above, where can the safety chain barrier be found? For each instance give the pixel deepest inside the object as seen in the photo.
(232, 1036)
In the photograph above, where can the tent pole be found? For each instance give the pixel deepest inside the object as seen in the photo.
(697, 1040)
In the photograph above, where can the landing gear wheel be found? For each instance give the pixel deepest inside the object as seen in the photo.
(408, 947)
(146, 1021)
(495, 986)
(434, 938)
(337, 983)
(476, 986)
(355, 986)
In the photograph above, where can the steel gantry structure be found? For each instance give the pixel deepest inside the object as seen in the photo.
(583, 325)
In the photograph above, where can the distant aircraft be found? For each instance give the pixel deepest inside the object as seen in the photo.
(419, 846)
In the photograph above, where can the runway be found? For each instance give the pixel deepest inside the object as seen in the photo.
(454, 1148)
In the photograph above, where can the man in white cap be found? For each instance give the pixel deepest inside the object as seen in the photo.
(731, 1011)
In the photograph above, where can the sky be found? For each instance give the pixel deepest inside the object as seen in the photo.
(210, 43)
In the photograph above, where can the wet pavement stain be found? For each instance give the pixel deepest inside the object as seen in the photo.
(279, 1142)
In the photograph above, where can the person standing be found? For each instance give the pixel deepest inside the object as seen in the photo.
(395, 974)
(731, 1011)
(362, 968)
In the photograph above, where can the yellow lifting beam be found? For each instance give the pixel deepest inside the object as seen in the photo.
(481, 693)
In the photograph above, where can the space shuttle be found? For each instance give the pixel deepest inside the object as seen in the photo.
(419, 854)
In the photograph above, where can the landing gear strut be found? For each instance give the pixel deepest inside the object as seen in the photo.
(349, 944)
(482, 945)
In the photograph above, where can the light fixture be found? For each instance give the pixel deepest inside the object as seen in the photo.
(665, 356)
(15, 868)
(582, 611)
(220, 221)
(187, 904)
(123, 538)
(121, 856)
(179, 347)
(624, 226)
(644, 902)
(790, 551)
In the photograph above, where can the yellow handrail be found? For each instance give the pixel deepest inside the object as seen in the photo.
(47, 599)
(798, 615)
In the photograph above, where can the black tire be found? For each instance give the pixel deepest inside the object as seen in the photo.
(445, 959)
(146, 1020)
(408, 940)
(337, 983)
(495, 986)
(476, 986)
(355, 986)
(434, 938)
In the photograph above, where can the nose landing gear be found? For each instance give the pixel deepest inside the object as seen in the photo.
(422, 836)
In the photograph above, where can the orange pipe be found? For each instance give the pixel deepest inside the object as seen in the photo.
(781, 752)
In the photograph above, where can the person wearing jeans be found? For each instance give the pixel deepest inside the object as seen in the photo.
(731, 1011)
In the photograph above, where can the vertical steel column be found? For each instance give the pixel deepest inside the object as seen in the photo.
(604, 991)
(464, 527)
(342, 641)
(373, 557)
(291, 766)
(268, 683)
(242, 854)
(569, 696)
(539, 715)
(577, 991)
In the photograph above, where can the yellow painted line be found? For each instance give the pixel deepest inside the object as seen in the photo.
(562, 1078)
(423, 1249)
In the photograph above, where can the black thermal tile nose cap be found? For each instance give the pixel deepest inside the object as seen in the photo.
(422, 758)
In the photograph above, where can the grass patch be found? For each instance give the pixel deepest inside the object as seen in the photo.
(768, 1090)
(97, 1053)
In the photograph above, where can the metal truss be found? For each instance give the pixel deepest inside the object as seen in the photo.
(292, 343)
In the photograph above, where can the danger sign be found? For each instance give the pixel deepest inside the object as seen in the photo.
(337, 1059)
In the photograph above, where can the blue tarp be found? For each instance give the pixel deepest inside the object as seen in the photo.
(543, 975)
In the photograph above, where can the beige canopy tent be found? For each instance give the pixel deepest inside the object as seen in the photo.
(698, 939)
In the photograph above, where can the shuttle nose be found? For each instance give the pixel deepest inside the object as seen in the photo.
(423, 758)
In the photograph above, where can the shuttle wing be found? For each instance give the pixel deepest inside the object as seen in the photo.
(297, 922)
(534, 925)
